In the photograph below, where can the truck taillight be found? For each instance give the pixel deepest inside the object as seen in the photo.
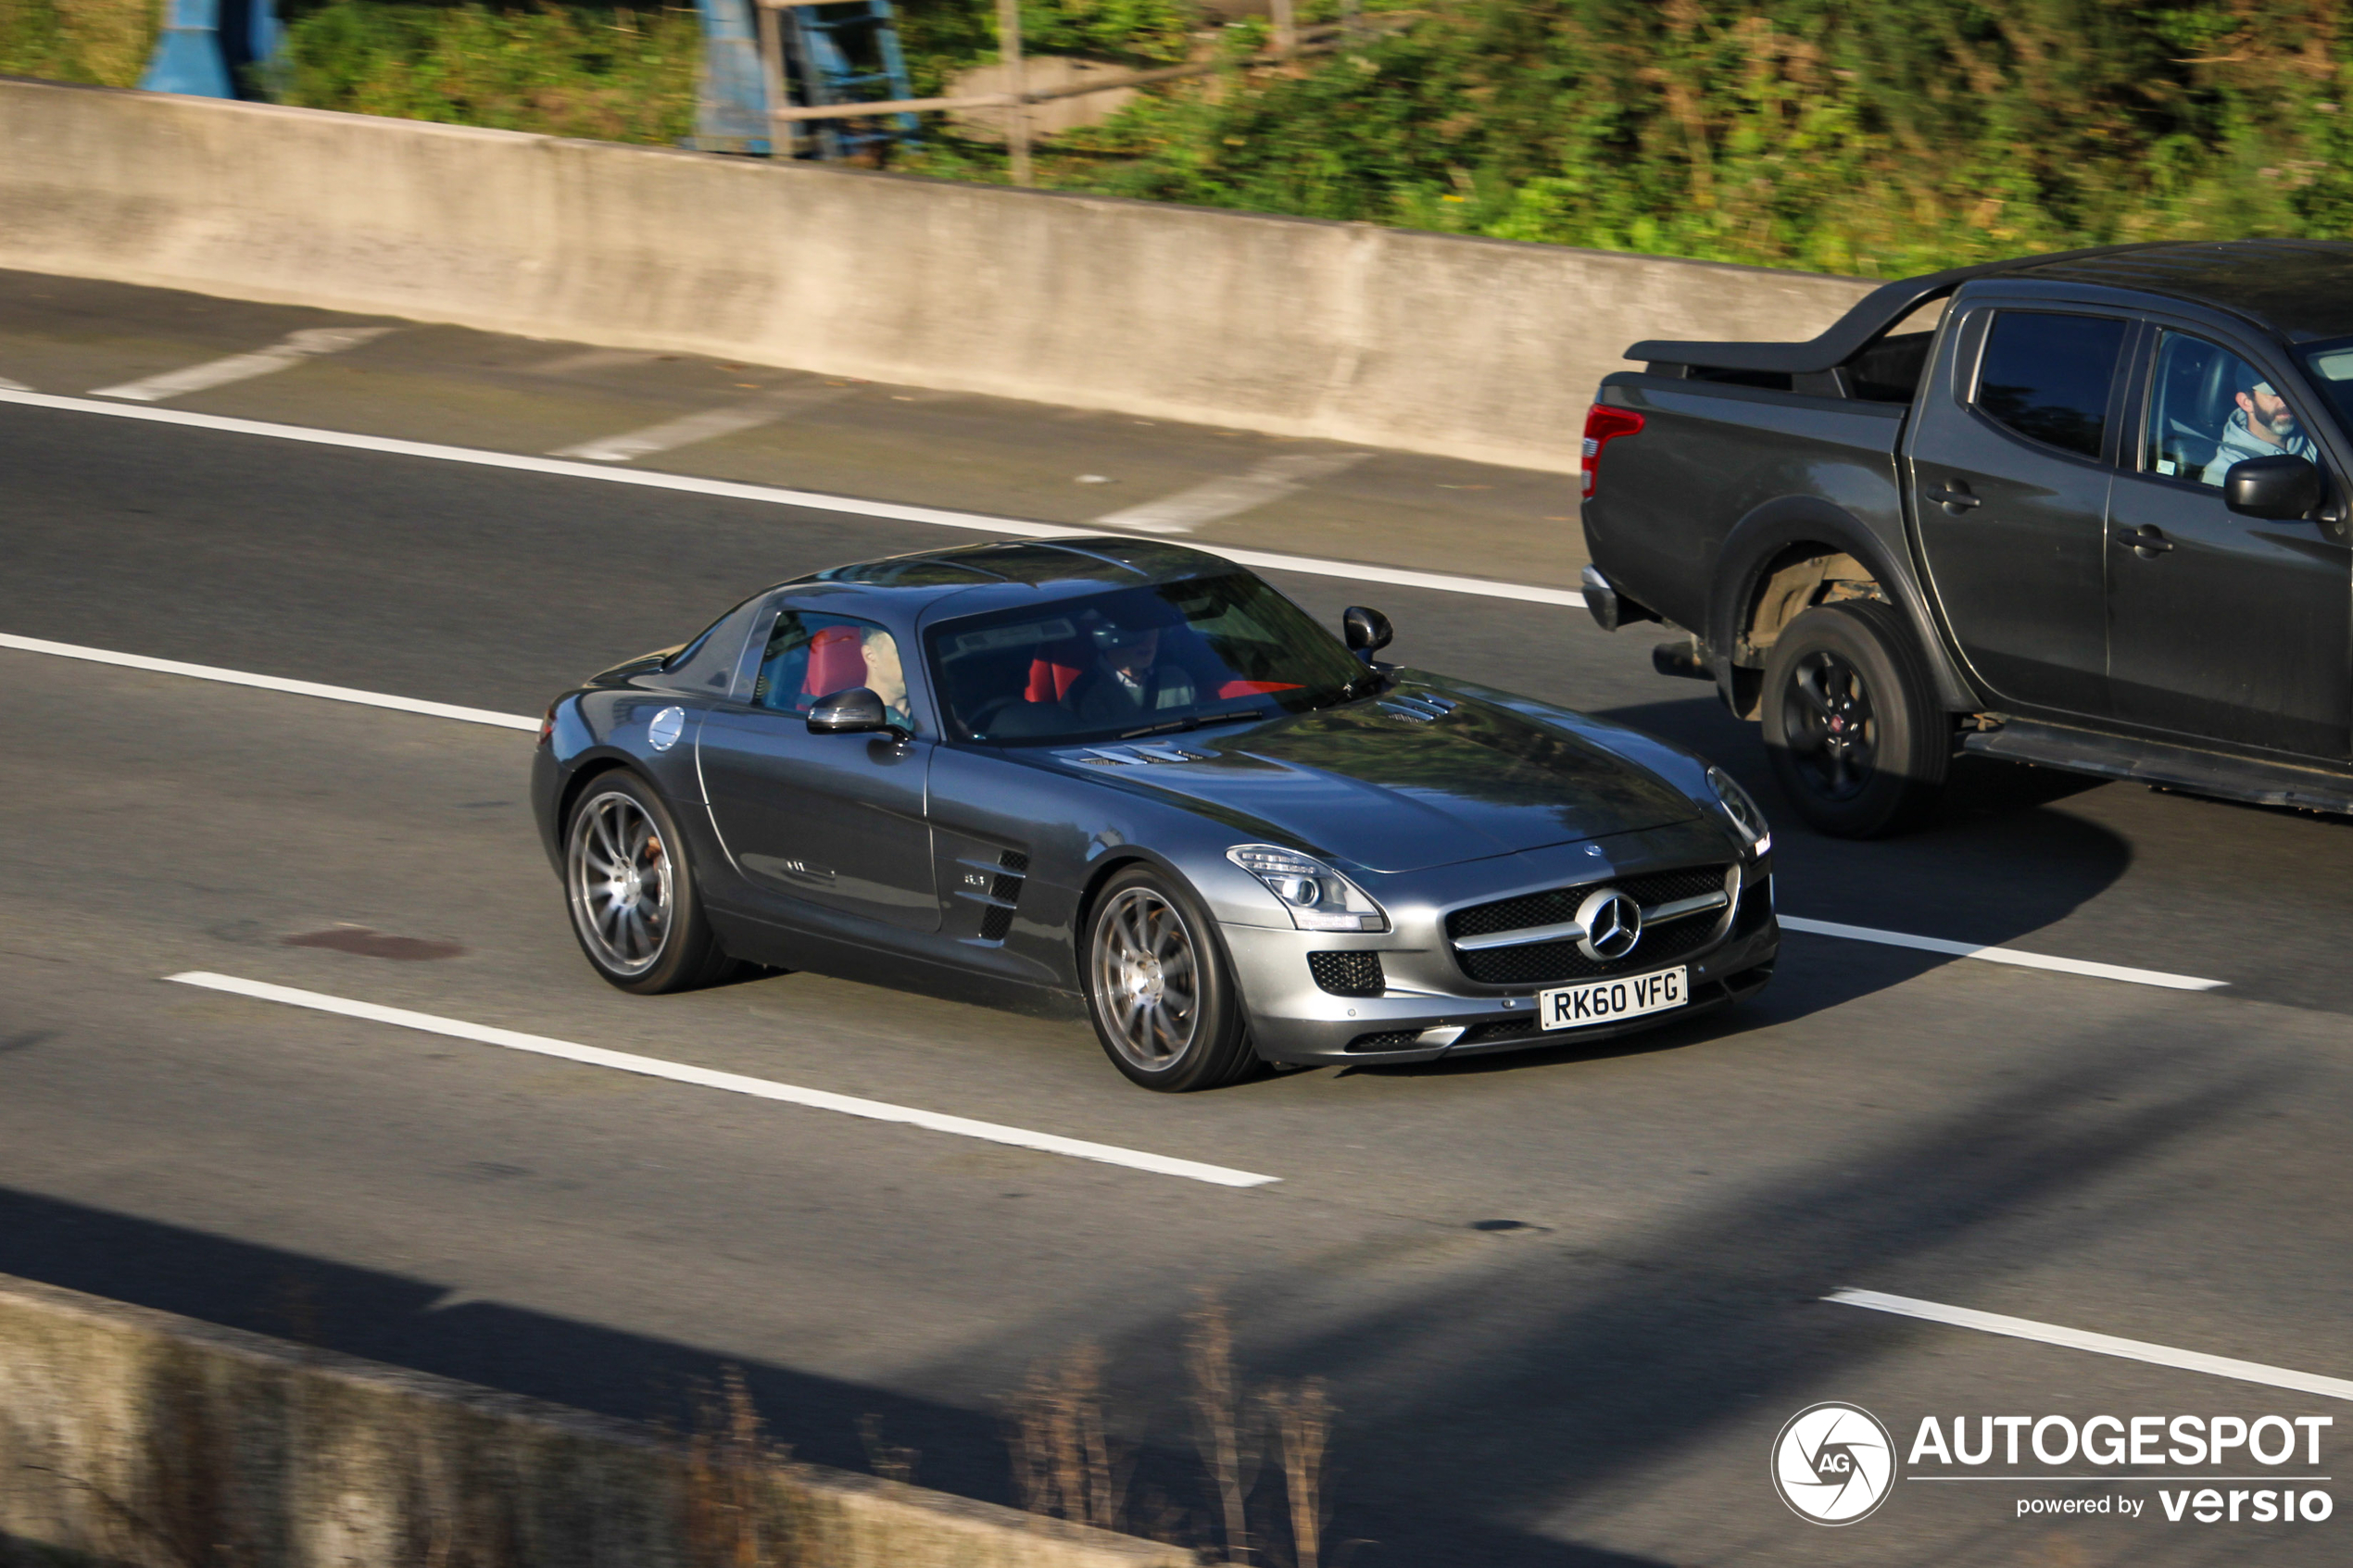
(1604, 425)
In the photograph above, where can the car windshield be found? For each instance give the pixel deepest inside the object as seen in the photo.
(1162, 659)
(2332, 368)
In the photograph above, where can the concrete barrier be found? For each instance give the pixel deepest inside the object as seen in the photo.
(135, 1436)
(1483, 349)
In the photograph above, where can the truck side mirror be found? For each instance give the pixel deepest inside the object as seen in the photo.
(2278, 488)
(852, 712)
(1367, 631)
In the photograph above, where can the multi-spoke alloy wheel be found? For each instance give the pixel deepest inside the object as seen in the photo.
(1157, 985)
(632, 891)
(1148, 977)
(1852, 721)
(622, 886)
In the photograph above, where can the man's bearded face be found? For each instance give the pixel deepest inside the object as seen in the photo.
(2269, 411)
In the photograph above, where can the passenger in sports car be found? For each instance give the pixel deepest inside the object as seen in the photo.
(1128, 678)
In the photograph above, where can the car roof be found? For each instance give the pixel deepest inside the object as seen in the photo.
(974, 579)
(2302, 289)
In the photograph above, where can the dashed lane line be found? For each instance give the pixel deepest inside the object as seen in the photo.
(770, 495)
(270, 682)
(2001, 955)
(709, 424)
(293, 349)
(2097, 1343)
(732, 1082)
(523, 722)
(1231, 494)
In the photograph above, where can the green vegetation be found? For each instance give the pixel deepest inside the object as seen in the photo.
(624, 74)
(1879, 138)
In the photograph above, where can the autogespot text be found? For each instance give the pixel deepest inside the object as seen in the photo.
(2205, 1469)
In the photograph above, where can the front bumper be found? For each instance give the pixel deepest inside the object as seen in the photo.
(1429, 1010)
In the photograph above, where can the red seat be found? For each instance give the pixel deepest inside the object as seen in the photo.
(1254, 688)
(836, 661)
(1050, 678)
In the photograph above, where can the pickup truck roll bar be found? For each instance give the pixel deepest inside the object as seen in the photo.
(1871, 315)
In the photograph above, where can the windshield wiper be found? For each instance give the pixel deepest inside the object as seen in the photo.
(1195, 722)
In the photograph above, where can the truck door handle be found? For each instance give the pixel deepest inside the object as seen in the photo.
(2148, 541)
(1956, 496)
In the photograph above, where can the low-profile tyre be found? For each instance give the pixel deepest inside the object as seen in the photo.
(1851, 725)
(1164, 1002)
(631, 890)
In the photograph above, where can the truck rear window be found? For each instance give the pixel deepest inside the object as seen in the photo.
(2046, 375)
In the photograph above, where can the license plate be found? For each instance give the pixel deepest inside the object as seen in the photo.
(1605, 1001)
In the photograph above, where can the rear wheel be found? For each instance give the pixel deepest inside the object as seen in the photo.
(1163, 1003)
(1851, 720)
(632, 894)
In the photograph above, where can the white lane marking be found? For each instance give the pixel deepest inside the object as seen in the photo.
(770, 495)
(295, 348)
(733, 1083)
(2003, 954)
(708, 425)
(270, 682)
(2097, 1343)
(1270, 480)
(7, 385)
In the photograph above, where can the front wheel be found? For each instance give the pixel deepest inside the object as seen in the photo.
(632, 894)
(1851, 725)
(1163, 1003)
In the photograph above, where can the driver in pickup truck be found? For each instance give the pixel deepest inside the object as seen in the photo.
(2263, 427)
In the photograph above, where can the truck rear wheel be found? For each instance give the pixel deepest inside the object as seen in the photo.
(1851, 725)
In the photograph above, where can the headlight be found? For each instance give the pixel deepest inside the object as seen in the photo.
(1745, 814)
(1318, 898)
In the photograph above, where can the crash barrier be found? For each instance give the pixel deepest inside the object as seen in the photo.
(135, 1436)
(1483, 349)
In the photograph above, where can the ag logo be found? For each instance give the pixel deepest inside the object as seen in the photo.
(1833, 1464)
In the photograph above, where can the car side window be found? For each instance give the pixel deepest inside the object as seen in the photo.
(2046, 376)
(810, 656)
(2193, 394)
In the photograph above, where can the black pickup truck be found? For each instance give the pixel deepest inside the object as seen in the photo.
(2086, 511)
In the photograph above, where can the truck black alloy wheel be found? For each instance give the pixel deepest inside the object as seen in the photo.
(1158, 989)
(632, 893)
(1851, 721)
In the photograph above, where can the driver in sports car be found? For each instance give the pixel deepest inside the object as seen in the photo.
(1128, 679)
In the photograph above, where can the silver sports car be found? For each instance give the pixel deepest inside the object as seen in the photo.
(1134, 778)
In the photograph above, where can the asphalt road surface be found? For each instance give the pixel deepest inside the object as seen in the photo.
(1565, 1300)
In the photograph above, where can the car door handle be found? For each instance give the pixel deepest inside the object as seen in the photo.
(2148, 540)
(1954, 496)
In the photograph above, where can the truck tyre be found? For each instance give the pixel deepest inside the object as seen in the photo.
(1851, 725)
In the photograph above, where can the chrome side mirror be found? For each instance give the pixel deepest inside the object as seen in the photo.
(855, 711)
(1366, 631)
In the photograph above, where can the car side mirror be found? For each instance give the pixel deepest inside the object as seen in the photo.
(2278, 488)
(856, 711)
(1367, 631)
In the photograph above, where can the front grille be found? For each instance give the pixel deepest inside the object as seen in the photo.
(1348, 974)
(1561, 961)
(1394, 1040)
